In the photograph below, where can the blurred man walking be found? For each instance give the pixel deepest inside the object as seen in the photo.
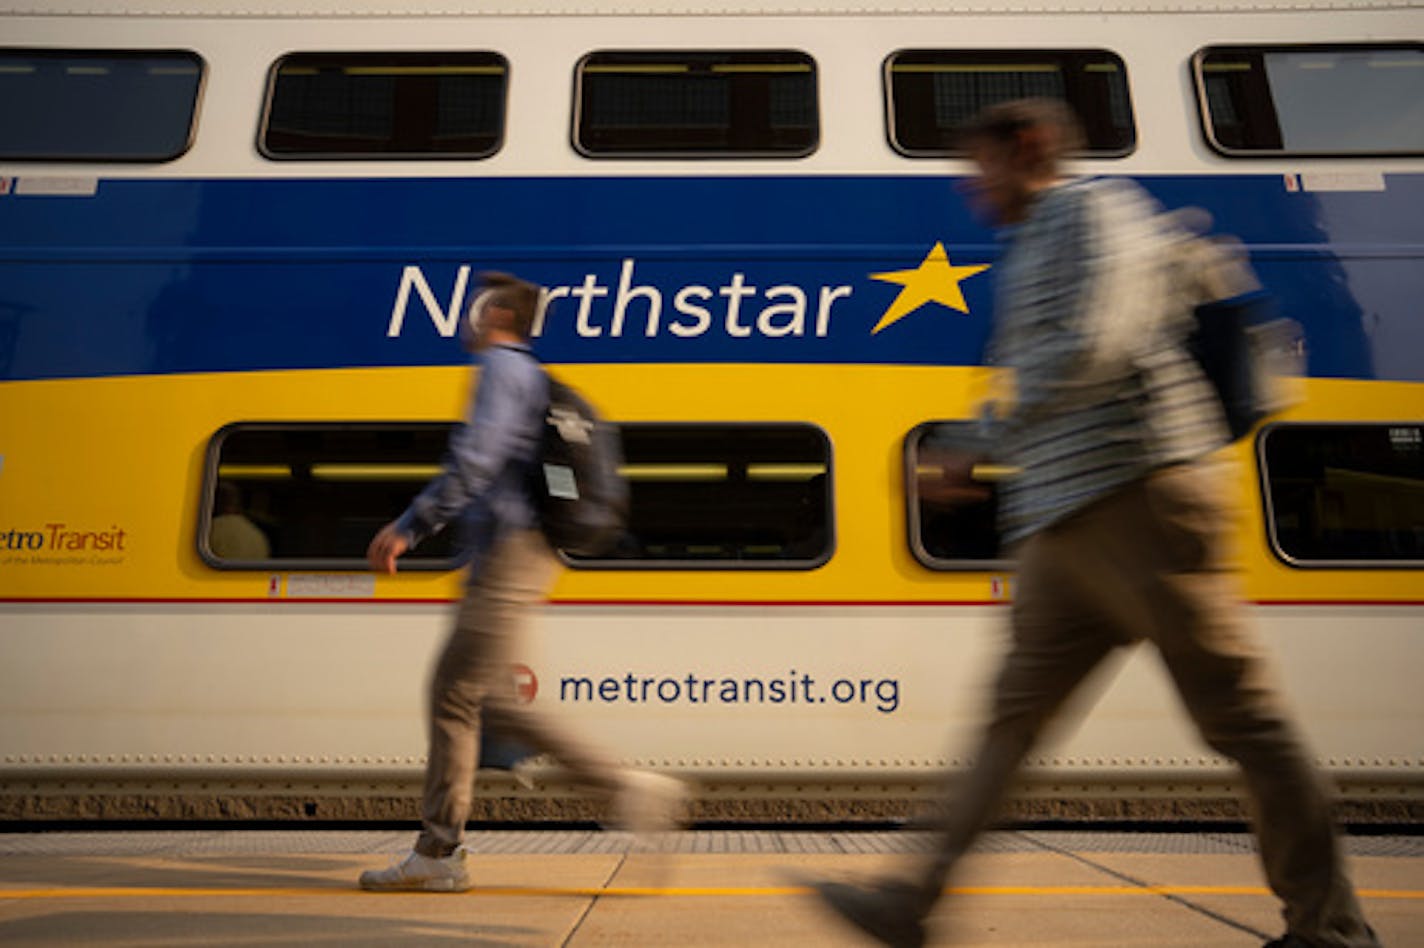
(1118, 523)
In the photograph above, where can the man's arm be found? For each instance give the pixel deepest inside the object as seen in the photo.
(478, 451)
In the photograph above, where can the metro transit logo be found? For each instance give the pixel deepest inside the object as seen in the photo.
(731, 307)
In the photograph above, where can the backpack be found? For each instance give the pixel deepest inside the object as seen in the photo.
(1245, 351)
(581, 497)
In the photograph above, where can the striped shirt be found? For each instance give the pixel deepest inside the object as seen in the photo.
(1089, 319)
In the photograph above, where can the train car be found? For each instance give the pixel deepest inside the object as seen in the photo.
(236, 242)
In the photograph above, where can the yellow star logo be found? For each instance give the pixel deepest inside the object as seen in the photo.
(935, 280)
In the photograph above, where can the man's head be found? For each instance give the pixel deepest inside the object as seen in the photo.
(1019, 147)
(503, 311)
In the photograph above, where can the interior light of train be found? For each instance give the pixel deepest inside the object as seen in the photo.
(674, 472)
(994, 472)
(643, 68)
(975, 68)
(784, 472)
(755, 68)
(254, 471)
(419, 71)
(980, 472)
(375, 472)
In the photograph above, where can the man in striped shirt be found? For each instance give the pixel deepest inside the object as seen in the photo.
(1117, 522)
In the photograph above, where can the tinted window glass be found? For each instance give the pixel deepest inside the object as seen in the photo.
(723, 496)
(934, 92)
(313, 495)
(952, 502)
(75, 105)
(688, 104)
(391, 105)
(1314, 101)
(1345, 493)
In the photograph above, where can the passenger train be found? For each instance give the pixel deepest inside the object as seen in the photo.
(237, 240)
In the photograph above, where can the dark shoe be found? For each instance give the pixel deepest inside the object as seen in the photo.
(884, 912)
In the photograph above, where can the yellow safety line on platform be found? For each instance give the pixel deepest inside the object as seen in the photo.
(99, 892)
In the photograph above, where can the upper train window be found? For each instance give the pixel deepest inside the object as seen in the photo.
(933, 92)
(1339, 494)
(951, 497)
(385, 105)
(311, 495)
(667, 104)
(1312, 100)
(97, 105)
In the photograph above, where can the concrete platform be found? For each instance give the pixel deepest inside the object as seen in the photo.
(586, 888)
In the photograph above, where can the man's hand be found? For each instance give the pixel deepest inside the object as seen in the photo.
(385, 547)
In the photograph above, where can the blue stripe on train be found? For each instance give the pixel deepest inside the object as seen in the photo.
(163, 276)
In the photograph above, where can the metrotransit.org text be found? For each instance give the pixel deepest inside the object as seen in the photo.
(793, 688)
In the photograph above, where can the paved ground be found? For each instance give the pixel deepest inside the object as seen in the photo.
(586, 888)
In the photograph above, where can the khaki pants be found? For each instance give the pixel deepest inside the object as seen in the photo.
(1147, 563)
(472, 684)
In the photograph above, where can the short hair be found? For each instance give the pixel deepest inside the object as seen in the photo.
(1001, 123)
(518, 296)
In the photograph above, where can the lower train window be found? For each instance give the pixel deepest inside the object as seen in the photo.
(312, 495)
(1312, 100)
(724, 496)
(686, 104)
(97, 105)
(951, 497)
(1345, 494)
(933, 92)
(715, 496)
(385, 105)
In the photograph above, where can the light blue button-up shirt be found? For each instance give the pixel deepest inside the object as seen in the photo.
(486, 481)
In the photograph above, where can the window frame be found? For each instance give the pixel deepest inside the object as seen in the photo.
(1208, 130)
(914, 533)
(212, 459)
(888, 87)
(55, 52)
(1268, 505)
(576, 121)
(604, 564)
(270, 91)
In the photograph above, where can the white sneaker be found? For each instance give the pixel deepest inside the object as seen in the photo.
(421, 873)
(525, 769)
(649, 803)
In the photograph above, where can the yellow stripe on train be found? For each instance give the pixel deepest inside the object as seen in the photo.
(100, 478)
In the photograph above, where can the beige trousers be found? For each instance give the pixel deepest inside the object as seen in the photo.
(1147, 563)
(472, 685)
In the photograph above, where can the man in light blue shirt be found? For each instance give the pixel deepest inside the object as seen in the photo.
(487, 487)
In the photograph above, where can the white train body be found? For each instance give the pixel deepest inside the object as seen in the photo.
(154, 313)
